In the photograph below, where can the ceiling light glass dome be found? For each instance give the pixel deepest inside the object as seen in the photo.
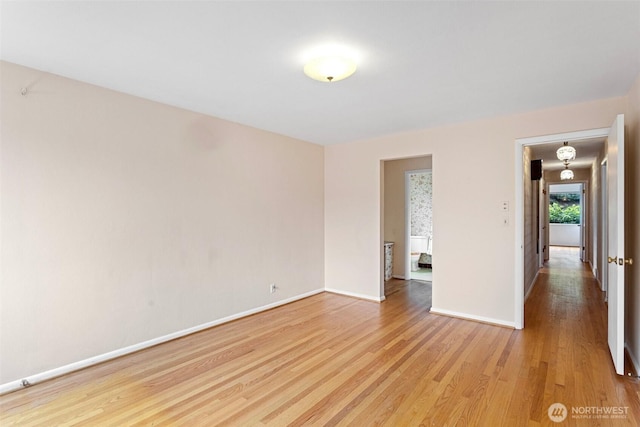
(566, 153)
(566, 174)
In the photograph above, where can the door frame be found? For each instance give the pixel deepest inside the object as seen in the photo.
(520, 143)
(605, 232)
(584, 213)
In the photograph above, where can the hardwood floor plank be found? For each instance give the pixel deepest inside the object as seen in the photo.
(410, 348)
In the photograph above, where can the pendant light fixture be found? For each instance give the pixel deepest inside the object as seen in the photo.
(566, 173)
(566, 152)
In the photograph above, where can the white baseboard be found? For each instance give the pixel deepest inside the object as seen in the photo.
(594, 270)
(398, 276)
(599, 285)
(472, 317)
(56, 372)
(355, 295)
(533, 284)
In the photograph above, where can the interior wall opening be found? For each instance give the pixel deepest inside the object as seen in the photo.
(531, 242)
(565, 204)
(406, 211)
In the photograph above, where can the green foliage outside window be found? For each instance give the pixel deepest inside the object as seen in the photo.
(564, 208)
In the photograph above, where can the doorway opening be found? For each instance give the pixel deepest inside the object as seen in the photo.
(613, 151)
(593, 138)
(567, 217)
(396, 223)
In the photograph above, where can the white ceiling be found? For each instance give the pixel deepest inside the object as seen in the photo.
(421, 64)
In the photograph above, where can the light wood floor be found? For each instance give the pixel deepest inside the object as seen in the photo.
(334, 360)
(396, 285)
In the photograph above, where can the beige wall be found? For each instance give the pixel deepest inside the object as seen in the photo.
(632, 185)
(473, 171)
(124, 220)
(394, 206)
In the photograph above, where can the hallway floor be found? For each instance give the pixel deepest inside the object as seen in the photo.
(424, 274)
(567, 257)
(567, 315)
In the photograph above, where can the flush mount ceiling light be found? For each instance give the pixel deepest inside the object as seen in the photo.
(330, 62)
(566, 153)
(330, 68)
(566, 173)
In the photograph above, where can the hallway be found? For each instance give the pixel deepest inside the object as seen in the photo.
(566, 326)
(563, 257)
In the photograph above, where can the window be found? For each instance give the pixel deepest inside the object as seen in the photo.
(564, 208)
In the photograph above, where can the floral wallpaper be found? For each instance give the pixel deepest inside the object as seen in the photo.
(421, 193)
(388, 260)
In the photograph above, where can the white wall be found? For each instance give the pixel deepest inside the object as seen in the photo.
(564, 235)
(123, 220)
(565, 188)
(473, 171)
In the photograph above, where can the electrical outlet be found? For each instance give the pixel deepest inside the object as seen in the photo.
(272, 287)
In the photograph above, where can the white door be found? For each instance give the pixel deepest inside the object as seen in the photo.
(604, 239)
(615, 246)
(542, 241)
